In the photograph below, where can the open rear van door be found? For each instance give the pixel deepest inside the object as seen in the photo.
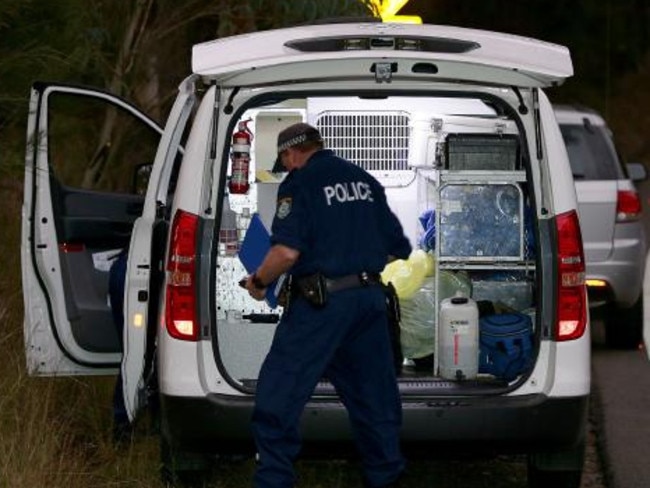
(145, 268)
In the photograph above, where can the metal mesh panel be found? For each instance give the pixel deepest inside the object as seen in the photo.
(372, 140)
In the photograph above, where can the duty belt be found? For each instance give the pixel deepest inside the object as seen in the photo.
(352, 281)
(315, 288)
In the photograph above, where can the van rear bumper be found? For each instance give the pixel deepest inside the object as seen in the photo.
(523, 424)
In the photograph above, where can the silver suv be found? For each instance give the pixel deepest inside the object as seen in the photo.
(610, 220)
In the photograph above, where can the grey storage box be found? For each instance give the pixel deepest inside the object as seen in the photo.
(484, 152)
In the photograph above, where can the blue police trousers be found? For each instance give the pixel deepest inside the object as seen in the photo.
(346, 341)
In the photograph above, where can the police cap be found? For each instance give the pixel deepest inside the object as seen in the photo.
(297, 134)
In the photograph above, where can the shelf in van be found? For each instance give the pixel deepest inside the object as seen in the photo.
(491, 176)
(457, 264)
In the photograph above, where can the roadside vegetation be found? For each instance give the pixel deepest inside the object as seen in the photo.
(54, 432)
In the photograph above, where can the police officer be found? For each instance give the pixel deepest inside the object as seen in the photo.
(333, 233)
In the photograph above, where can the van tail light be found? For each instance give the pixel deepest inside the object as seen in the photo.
(180, 307)
(628, 206)
(571, 317)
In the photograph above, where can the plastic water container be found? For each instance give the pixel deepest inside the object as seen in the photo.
(458, 338)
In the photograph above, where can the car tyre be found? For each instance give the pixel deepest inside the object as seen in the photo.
(560, 469)
(182, 468)
(624, 326)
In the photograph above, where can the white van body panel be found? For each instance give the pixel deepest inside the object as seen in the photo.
(179, 368)
(197, 160)
(572, 367)
(499, 58)
(179, 361)
(541, 378)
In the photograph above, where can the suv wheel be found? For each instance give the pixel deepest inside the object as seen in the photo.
(624, 326)
(557, 479)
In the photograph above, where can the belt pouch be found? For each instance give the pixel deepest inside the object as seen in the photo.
(314, 289)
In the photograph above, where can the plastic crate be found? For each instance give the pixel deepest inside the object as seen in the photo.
(505, 288)
(492, 152)
(480, 222)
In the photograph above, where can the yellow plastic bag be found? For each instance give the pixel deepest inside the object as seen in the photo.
(420, 257)
(406, 276)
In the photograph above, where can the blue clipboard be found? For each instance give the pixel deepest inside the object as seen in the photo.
(252, 251)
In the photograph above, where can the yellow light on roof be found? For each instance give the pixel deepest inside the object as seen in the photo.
(596, 283)
(387, 10)
(403, 19)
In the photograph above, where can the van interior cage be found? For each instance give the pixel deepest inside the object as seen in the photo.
(376, 141)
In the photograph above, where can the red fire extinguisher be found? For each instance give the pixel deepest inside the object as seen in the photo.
(241, 157)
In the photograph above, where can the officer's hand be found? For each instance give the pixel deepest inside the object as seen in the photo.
(257, 293)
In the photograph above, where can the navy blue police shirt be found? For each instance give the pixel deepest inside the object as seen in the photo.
(336, 215)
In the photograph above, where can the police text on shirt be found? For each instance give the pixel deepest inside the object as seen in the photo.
(348, 192)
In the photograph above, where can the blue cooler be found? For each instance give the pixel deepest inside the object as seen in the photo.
(505, 344)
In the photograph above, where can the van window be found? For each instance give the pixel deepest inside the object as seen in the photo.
(96, 146)
(590, 153)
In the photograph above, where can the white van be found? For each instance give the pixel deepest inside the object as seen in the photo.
(456, 126)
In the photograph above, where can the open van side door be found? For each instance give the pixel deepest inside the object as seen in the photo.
(84, 202)
(78, 212)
